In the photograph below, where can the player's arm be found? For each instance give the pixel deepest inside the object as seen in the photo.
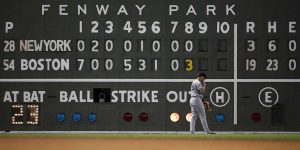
(203, 87)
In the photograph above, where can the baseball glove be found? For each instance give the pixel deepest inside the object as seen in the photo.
(207, 105)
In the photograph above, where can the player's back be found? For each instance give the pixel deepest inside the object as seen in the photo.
(195, 89)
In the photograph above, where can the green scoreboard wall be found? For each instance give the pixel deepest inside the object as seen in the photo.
(127, 65)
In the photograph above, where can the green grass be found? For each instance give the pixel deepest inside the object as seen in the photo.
(258, 136)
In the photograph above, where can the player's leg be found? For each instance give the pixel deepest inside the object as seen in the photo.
(202, 115)
(194, 117)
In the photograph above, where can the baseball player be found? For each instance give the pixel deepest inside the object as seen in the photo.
(197, 91)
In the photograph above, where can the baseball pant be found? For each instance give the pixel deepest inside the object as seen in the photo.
(198, 109)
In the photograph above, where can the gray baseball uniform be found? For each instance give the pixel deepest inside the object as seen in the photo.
(197, 107)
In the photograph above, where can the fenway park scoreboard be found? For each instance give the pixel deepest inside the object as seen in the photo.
(127, 65)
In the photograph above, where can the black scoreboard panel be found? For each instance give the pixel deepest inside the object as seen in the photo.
(128, 65)
(282, 116)
(269, 53)
(158, 100)
(119, 44)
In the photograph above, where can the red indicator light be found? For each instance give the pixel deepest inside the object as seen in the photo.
(143, 116)
(256, 117)
(127, 116)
